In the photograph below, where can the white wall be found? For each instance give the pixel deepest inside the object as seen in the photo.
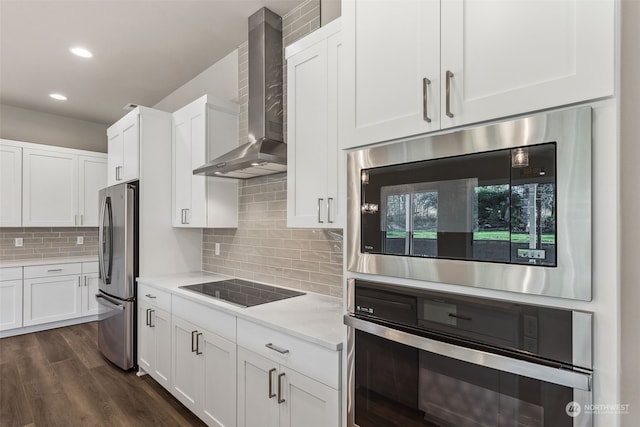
(630, 211)
(220, 80)
(21, 124)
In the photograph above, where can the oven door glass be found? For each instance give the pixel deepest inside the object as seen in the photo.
(496, 206)
(399, 385)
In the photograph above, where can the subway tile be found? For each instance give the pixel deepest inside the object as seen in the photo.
(326, 279)
(328, 268)
(287, 253)
(315, 256)
(296, 244)
(325, 245)
(296, 274)
(305, 265)
(315, 287)
(305, 234)
(287, 282)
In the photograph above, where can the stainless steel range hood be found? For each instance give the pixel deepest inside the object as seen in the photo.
(265, 153)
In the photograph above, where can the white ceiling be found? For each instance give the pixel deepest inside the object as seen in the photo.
(143, 50)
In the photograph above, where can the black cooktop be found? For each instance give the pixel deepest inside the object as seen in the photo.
(242, 292)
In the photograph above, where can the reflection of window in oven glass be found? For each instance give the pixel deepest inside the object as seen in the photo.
(411, 223)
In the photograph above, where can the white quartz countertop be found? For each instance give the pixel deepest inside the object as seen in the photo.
(313, 317)
(46, 261)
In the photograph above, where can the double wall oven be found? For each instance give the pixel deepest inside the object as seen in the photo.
(506, 207)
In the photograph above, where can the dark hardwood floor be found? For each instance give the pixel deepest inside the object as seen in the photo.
(58, 378)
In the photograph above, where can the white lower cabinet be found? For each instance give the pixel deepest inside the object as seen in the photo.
(272, 395)
(10, 298)
(154, 343)
(51, 299)
(285, 381)
(203, 368)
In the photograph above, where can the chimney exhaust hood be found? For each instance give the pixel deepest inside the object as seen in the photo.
(266, 152)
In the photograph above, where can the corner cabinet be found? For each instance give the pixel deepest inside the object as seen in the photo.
(60, 186)
(202, 130)
(123, 145)
(10, 184)
(412, 67)
(316, 167)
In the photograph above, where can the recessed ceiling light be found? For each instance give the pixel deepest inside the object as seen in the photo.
(81, 52)
(58, 96)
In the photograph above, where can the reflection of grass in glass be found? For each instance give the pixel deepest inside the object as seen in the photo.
(478, 235)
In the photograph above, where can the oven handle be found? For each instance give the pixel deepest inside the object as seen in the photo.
(566, 378)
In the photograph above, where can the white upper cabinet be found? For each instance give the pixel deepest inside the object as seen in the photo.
(50, 196)
(123, 140)
(514, 57)
(203, 129)
(315, 164)
(414, 66)
(92, 173)
(10, 184)
(60, 187)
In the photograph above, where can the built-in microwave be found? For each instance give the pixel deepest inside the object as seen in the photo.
(505, 206)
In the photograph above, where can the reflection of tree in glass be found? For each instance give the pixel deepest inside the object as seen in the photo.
(425, 211)
(520, 212)
(492, 208)
(396, 212)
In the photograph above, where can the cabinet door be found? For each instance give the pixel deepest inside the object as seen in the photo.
(10, 186)
(50, 192)
(114, 154)
(219, 395)
(186, 370)
(130, 147)
(90, 283)
(307, 402)
(513, 57)
(146, 338)
(257, 390)
(10, 304)
(189, 191)
(307, 94)
(50, 299)
(93, 177)
(390, 48)
(161, 324)
(336, 158)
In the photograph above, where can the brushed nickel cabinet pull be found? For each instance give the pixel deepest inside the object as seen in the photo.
(425, 100)
(151, 325)
(81, 219)
(147, 320)
(150, 296)
(198, 335)
(280, 350)
(329, 205)
(193, 344)
(320, 211)
(280, 398)
(449, 75)
(79, 281)
(53, 270)
(271, 393)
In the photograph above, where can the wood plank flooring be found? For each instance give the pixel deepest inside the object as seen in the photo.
(59, 378)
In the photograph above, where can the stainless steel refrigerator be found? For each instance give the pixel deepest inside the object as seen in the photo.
(118, 261)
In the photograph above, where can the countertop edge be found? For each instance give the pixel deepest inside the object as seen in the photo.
(47, 261)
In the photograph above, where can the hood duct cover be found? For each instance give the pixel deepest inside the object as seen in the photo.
(265, 153)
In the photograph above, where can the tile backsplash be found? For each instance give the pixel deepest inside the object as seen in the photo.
(262, 248)
(47, 242)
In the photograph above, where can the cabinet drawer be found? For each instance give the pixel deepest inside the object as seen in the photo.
(307, 358)
(90, 267)
(155, 297)
(11, 273)
(50, 270)
(209, 318)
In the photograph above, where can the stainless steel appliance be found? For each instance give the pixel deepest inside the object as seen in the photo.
(242, 293)
(423, 358)
(505, 206)
(118, 262)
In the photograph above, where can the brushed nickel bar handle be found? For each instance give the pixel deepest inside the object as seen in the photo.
(81, 219)
(186, 216)
(449, 75)
(150, 296)
(151, 311)
(53, 270)
(280, 398)
(75, 220)
(193, 345)
(198, 335)
(320, 210)
(79, 281)
(85, 280)
(271, 393)
(425, 100)
(329, 204)
(147, 321)
(280, 350)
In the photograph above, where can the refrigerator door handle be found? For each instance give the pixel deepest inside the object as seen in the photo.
(109, 302)
(105, 236)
